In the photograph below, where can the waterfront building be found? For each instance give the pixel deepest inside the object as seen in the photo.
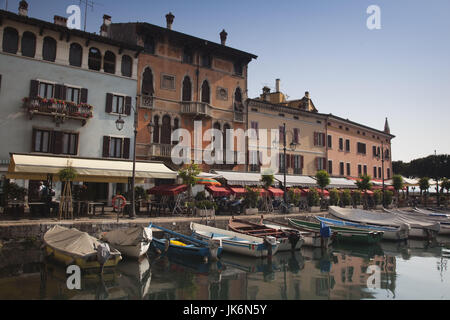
(305, 131)
(62, 91)
(182, 78)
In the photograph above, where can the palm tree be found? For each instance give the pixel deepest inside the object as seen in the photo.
(322, 179)
(424, 184)
(397, 183)
(364, 184)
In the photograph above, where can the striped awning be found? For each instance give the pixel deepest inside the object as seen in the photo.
(235, 178)
(296, 180)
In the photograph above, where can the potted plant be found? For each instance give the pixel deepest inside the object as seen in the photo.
(323, 179)
(313, 200)
(356, 199)
(188, 175)
(334, 197)
(205, 208)
(378, 199)
(424, 184)
(251, 197)
(397, 183)
(294, 196)
(363, 185)
(388, 195)
(346, 198)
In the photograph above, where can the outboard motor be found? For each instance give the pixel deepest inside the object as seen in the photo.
(213, 246)
(103, 254)
(270, 241)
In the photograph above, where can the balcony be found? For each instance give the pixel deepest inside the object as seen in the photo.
(197, 109)
(60, 110)
(239, 117)
(146, 102)
(160, 150)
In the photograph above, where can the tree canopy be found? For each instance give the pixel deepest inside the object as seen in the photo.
(434, 166)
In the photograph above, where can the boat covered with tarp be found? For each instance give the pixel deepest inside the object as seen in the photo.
(418, 228)
(131, 242)
(72, 246)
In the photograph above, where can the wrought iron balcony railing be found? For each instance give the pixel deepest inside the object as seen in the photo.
(59, 109)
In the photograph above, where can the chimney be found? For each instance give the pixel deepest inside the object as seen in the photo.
(169, 20)
(277, 85)
(104, 28)
(266, 93)
(223, 37)
(307, 94)
(60, 21)
(23, 8)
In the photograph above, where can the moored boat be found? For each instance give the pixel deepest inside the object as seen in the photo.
(131, 242)
(418, 228)
(180, 244)
(389, 233)
(340, 233)
(72, 246)
(310, 239)
(235, 242)
(289, 240)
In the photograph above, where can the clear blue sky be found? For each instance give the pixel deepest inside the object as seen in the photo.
(401, 71)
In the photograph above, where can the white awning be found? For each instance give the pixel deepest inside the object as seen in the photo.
(294, 180)
(37, 167)
(341, 183)
(240, 178)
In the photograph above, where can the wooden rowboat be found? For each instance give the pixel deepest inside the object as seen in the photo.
(340, 233)
(179, 244)
(289, 240)
(235, 242)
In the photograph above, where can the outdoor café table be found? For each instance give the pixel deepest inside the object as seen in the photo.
(37, 208)
(93, 205)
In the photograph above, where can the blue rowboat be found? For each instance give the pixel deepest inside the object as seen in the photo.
(179, 244)
(235, 242)
(389, 233)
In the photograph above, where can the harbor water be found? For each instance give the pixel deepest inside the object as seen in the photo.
(407, 270)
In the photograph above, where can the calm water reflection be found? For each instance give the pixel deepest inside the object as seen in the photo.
(413, 270)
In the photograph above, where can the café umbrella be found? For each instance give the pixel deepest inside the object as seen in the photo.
(207, 181)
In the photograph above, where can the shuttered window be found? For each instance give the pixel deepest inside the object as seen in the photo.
(116, 147)
(348, 170)
(49, 49)
(361, 148)
(330, 166)
(341, 144)
(319, 139)
(57, 142)
(374, 172)
(347, 145)
(330, 145)
(10, 40)
(341, 168)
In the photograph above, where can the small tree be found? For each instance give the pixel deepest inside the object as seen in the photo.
(356, 196)
(364, 184)
(294, 196)
(388, 196)
(313, 197)
(251, 197)
(188, 175)
(346, 197)
(424, 184)
(378, 196)
(445, 184)
(397, 183)
(322, 179)
(334, 197)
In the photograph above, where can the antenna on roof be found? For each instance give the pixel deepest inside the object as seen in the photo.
(88, 3)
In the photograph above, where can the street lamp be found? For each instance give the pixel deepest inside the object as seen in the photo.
(119, 125)
(293, 144)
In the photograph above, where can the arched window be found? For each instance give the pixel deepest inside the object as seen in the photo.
(238, 100)
(75, 55)
(127, 63)
(109, 62)
(187, 89)
(28, 44)
(49, 49)
(147, 83)
(10, 40)
(149, 45)
(156, 130)
(205, 92)
(165, 130)
(95, 59)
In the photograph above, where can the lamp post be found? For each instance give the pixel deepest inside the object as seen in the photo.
(382, 171)
(119, 125)
(292, 145)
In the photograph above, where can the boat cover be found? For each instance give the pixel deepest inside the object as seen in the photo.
(381, 218)
(71, 241)
(128, 236)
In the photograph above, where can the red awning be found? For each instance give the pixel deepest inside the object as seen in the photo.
(319, 191)
(261, 191)
(218, 191)
(369, 192)
(276, 192)
(168, 189)
(237, 191)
